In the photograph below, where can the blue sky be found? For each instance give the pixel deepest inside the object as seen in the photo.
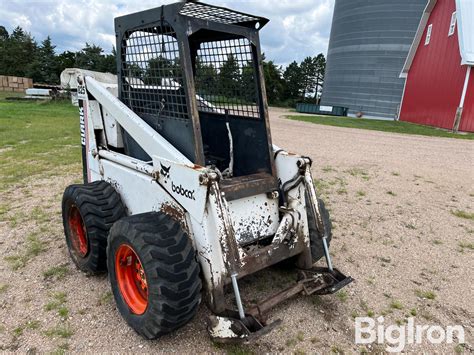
(297, 28)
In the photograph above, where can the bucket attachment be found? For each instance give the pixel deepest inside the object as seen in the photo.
(229, 329)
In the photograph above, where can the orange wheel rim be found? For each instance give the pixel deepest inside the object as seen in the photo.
(131, 279)
(78, 238)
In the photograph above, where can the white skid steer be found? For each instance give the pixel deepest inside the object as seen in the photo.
(184, 193)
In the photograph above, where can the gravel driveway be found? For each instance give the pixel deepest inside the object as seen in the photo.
(399, 205)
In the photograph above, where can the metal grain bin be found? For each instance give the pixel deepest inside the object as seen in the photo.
(368, 46)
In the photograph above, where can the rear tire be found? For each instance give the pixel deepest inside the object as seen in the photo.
(156, 286)
(316, 238)
(89, 211)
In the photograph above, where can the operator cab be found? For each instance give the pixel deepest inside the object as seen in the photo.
(192, 71)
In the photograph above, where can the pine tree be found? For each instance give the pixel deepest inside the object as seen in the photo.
(44, 68)
(229, 77)
(293, 79)
(20, 53)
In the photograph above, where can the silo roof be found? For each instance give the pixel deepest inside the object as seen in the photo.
(465, 26)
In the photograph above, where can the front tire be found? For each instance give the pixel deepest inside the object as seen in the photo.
(153, 273)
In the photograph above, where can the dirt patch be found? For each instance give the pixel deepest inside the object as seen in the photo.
(393, 199)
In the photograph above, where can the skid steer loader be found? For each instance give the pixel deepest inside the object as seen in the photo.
(183, 189)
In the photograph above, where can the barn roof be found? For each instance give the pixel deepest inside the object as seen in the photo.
(465, 27)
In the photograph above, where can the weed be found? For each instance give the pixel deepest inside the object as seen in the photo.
(313, 340)
(105, 298)
(300, 336)
(58, 272)
(34, 246)
(464, 245)
(3, 210)
(394, 173)
(342, 295)
(437, 242)
(357, 172)
(60, 331)
(57, 303)
(18, 331)
(61, 350)
(395, 304)
(413, 312)
(321, 186)
(316, 300)
(63, 312)
(34, 324)
(336, 350)
(290, 342)
(39, 215)
(328, 169)
(354, 314)
(342, 191)
(463, 214)
(3, 288)
(361, 193)
(410, 226)
(430, 295)
(371, 280)
(391, 193)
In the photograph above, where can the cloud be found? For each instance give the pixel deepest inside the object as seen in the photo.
(297, 28)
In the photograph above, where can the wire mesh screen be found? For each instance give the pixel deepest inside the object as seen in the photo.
(225, 78)
(152, 79)
(216, 14)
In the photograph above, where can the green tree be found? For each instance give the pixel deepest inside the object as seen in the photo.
(45, 67)
(229, 77)
(308, 69)
(292, 77)
(206, 79)
(320, 71)
(3, 34)
(109, 62)
(66, 59)
(274, 83)
(3, 49)
(20, 50)
(247, 83)
(160, 68)
(90, 57)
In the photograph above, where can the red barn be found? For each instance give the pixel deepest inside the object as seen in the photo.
(439, 87)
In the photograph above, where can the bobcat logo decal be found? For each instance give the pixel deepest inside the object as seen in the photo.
(165, 171)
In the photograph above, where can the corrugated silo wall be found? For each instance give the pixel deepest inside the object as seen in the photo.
(368, 46)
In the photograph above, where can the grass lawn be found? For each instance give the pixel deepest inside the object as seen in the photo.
(36, 139)
(380, 125)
